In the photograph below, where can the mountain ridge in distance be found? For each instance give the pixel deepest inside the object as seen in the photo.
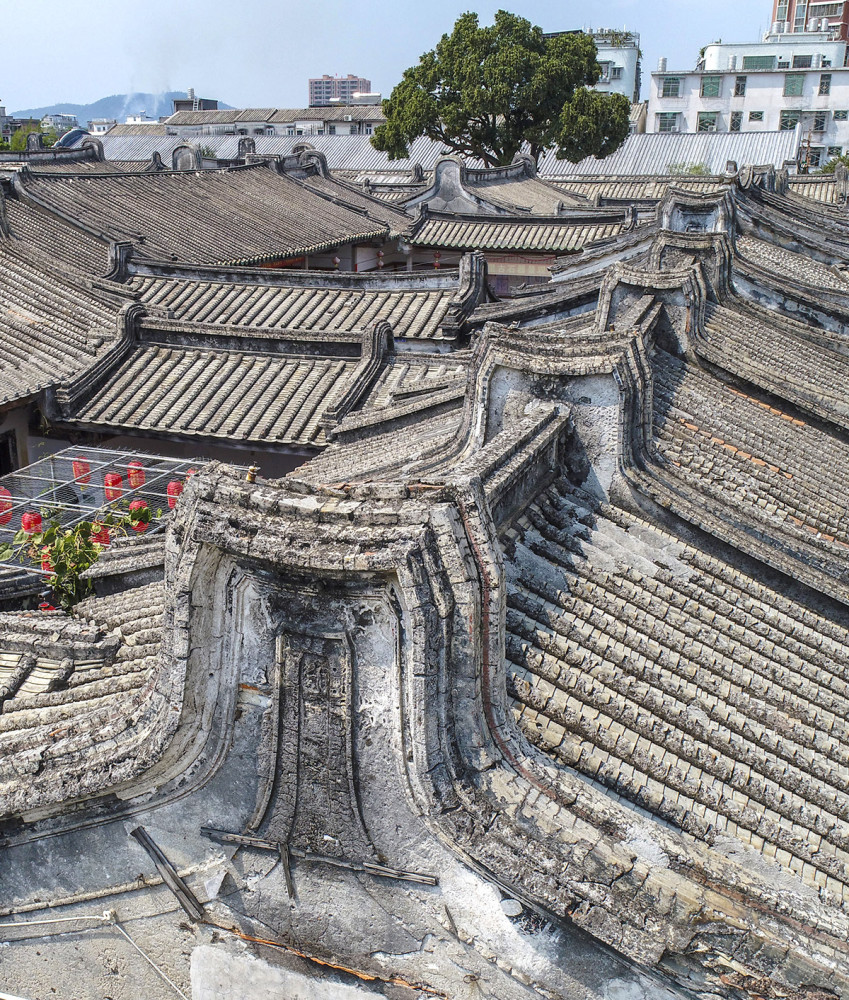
(117, 106)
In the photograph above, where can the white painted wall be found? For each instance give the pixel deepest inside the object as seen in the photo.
(764, 93)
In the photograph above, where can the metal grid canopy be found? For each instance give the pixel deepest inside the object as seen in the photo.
(82, 483)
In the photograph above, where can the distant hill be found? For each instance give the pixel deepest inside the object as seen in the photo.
(117, 106)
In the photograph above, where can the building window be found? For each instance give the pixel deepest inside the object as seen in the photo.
(615, 72)
(781, 12)
(758, 62)
(826, 9)
(789, 120)
(711, 86)
(667, 121)
(670, 86)
(707, 121)
(834, 150)
(736, 121)
(794, 84)
(820, 121)
(841, 116)
(740, 86)
(756, 116)
(800, 19)
(331, 130)
(825, 84)
(802, 62)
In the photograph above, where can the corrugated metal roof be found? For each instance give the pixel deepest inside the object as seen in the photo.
(640, 155)
(656, 153)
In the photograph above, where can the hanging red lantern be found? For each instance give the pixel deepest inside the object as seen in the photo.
(113, 486)
(139, 505)
(174, 489)
(46, 562)
(135, 474)
(5, 505)
(31, 521)
(82, 470)
(436, 256)
(380, 258)
(100, 534)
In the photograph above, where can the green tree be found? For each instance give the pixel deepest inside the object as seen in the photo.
(829, 168)
(486, 91)
(19, 138)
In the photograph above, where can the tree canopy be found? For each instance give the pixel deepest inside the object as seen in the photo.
(485, 91)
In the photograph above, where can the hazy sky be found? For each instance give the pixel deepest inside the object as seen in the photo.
(259, 53)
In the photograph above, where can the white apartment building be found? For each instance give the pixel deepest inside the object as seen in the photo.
(619, 58)
(789, 81)
(59, 123)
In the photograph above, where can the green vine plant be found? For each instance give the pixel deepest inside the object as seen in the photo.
(65, 553)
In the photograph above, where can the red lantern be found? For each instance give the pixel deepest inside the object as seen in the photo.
(31, 521)
(174, 489)
(139, 505)
(46, 562)
(5, 505)
(135, 474)
(100, 534)
(82, 470)
(436, 256)
(112, 486)
(191, 472)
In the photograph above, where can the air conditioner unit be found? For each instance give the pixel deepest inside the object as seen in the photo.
(347, 118)
(674, 128)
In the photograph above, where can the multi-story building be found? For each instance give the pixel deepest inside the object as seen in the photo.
(193, 103)
(794, 16)
(324, 89)
(59, 123)
(619, 58)
(99, 126)
(791, 80)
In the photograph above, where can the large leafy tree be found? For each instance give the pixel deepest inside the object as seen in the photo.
(485, 91)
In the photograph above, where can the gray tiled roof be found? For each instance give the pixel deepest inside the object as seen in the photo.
(414, 308)
(329, 113)
(249, 214)
(635, 188)
(51, 323)
(61, 241)
(232, 395)
(537, 233)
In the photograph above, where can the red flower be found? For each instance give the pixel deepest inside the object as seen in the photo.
(139, 505)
